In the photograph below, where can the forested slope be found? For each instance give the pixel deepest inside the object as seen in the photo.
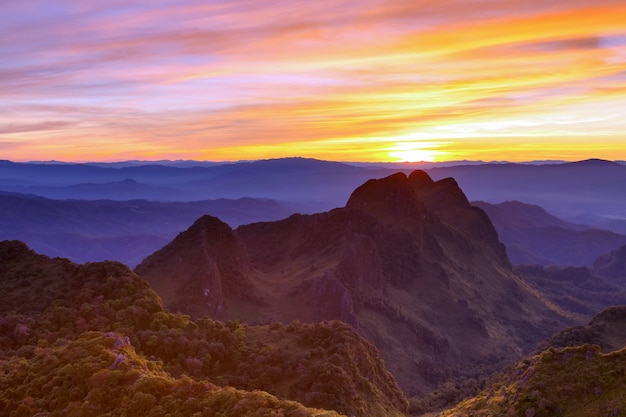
(94, 339)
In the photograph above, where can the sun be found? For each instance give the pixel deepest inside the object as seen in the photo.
(414, 152)
(416, 155)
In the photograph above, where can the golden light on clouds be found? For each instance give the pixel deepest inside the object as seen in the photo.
(343, 80)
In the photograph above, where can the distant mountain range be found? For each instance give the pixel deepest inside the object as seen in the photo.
(291, 179)
(587, 193)
(126, 231)
(585, 188)
(590, 192)
(533, 236)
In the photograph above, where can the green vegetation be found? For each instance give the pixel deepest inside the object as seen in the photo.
(574, 382)
(94, 339)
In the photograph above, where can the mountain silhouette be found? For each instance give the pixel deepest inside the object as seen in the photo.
(586, 190)
(125, 231)
(534, 236)
(407, 262)
(612, 265)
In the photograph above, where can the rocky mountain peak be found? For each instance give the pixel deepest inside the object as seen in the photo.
(446, 200)
(390, 198)
(201, 269)
(420, 179)
(408, 263)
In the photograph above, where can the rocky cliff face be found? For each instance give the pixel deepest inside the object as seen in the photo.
(201, 269)
(408, 262)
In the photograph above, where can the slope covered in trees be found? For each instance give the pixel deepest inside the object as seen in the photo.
(579, 371)
(574, 381)
(94, 339)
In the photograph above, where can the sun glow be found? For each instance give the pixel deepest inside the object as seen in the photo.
(414, 151)
(471, 78)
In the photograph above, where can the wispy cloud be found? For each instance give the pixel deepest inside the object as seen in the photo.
(354, 79)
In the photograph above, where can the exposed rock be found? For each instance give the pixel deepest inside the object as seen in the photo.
(201, 270)
(408, 262)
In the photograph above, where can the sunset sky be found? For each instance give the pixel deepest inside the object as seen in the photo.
(368, 80)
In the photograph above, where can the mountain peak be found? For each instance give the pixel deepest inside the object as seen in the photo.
(442, 194)
(206, 265)
(592, 162)
(390, 198)
(404, 253)
(420, 179)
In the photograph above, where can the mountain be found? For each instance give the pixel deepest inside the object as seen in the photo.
(126, 189)
(94, 339)
(126, 231)
(582, 291)
(612, 266)
(407, 262)
(206, 267)
(289, 179)
(577, 372)
(575, 382)
(579, 290)
(592, 188)
(615, 222)
(576, 189)
(606, 330)
(533, 236)
(587, 192)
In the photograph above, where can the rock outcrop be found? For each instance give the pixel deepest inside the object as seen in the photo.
(408, 263)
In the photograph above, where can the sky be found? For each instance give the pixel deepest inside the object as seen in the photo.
(364, 80)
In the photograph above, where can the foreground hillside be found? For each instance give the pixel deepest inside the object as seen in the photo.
(93, 339)
(574, 382)
(580, 371)
(408, 263)
(607, 330)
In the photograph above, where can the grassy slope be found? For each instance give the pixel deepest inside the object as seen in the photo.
(574, 382)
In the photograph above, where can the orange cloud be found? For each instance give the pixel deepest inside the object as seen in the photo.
(339, 80)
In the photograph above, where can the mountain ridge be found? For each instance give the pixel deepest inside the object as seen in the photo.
(126, 231)
(534, 236)
(402, 249)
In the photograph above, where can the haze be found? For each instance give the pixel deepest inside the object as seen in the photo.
(337, 80)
